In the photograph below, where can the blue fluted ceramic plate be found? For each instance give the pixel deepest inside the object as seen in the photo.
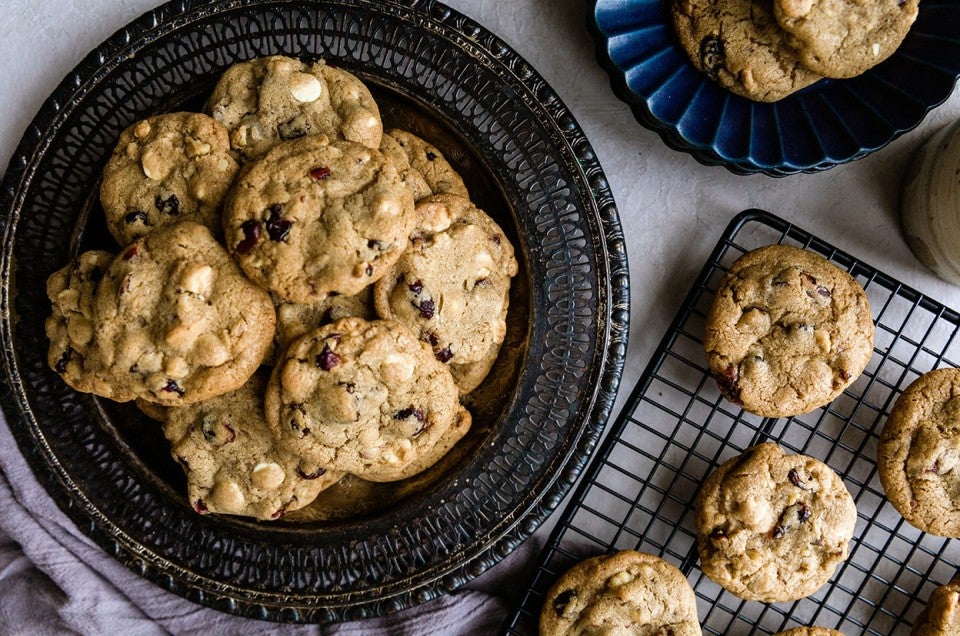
(828, 123)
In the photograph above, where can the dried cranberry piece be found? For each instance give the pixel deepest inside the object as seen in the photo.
(431, 155)
(794, 478)
(321, 172)
(136, 215)
(843, 374)
(170, 205)
(374, 244)
(277, 227)
(320, 472)
(61, 365)
(497, 238)
(410, 411)
(251, 235)
(433, 339)
(172, 387)
(444, 354)
(282, 511)
(327, 359)
(426, 308)
(233, 433)
(810, 279)
(132, 251)
(563, 599)
(200, 506)
(792, 517)
(416, 286)
(95, 274)
(369, 270)
(823, 291)
(728, 381)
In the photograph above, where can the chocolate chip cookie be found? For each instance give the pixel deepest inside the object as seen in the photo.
(165, 169)
(624, 593)
(361, 397)
(843, 38)
(176, 321)
(788, 331)
(452, 285)
(314, 217)
(71, 327)
(919, 453)
(941, 616)
(271, 99)
(739, 44)
(773, 527)
(430, 164)
(233, 462)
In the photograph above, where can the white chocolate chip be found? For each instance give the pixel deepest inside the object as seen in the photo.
(197, 148)
(142, 129)
(227, 497)
(69, 299)
(80, 330)
(876, 49)
(154, 166)
(399, 455)
(176, 367)
(397, 368)
(267, 475)
(618, 579)
(209, 351)
(222, 165)
(305, 87)
(197, 279)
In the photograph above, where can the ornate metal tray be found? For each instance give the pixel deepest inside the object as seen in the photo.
(525, 160)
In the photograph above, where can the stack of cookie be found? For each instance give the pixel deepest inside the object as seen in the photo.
(286, 229)
(765, 50)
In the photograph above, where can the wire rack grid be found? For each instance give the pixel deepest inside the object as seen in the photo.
(676, 429)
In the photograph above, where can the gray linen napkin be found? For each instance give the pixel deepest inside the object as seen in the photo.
(54, 580)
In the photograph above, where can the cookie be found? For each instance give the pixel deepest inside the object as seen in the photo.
(809, 631)
(427, 161)
(788, 331)
(623, 593)
(918, 457)
(314, 217)
(738, 44)
(470, 375)
(843, 38)
(361, 397)
(233, 462)
(268, 100)
(165, 169)
(294, 319)
(452, 285)
(773, 527)
(941, 616)
(71, 327)
(411, 178)
(175, 319)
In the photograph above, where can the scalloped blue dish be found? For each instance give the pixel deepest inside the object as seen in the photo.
(821, 126)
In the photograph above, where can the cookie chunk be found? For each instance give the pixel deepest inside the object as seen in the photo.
(411, 178)
(627, 592)
(361, 397)
(843, 38)
(739, 44)
(165, 169)
(176, 320)
(773, 527)
(233, 462)
(941, 616)
(314, 217)
(809, 631)
(452, 285)
(271, 99)
(71, 327)
(788, 331)
(294, 319)
(918, 458)
(430, 164)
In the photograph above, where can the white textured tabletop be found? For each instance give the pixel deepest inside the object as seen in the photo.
(672, 208)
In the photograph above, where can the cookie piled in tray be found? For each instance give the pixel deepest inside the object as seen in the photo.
(298, 295)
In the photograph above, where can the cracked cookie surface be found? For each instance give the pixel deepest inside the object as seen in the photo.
(165, 169)
(787, 332)
(773, 527)
(739, 44)
(918, 457)
(268, 100)
(452, 285)
(176, 321)
(843, 38)
(314, 217)
(233, 463)
(362, 397)
(622, 593)
(941, 615)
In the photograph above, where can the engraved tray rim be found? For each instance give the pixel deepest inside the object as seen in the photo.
(460, 564)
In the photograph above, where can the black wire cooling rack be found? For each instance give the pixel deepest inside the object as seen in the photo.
(675, 429)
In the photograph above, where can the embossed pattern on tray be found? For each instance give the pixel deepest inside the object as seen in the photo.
(556, 202)
(676, 429)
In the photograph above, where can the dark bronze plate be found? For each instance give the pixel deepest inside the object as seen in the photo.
(525, 160)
